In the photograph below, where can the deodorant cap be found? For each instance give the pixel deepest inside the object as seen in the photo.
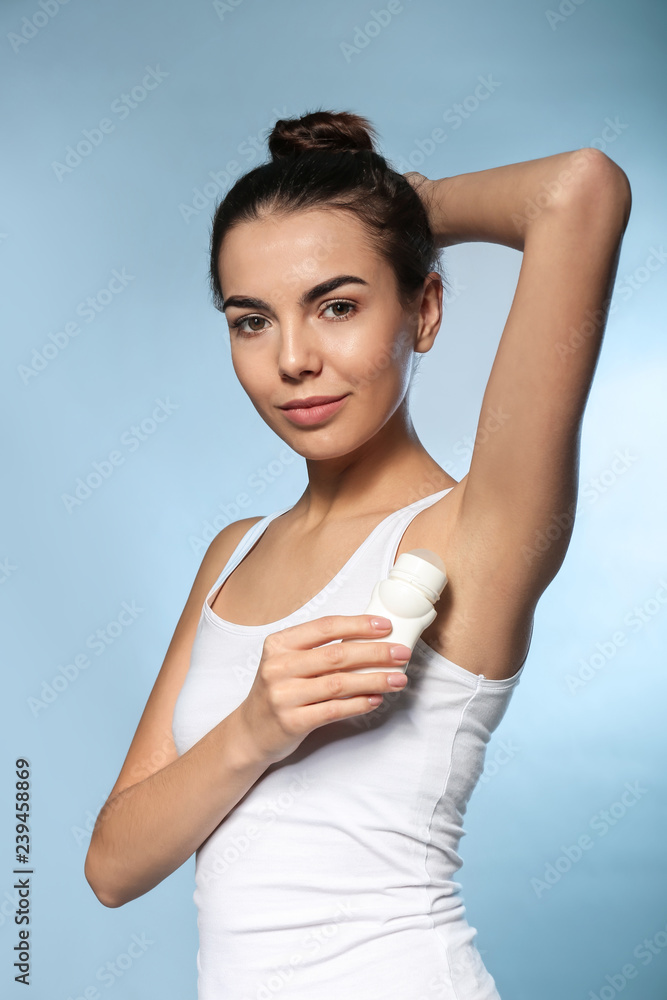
(422, 568)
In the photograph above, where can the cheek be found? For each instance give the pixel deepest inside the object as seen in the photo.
(249, 369)
(386, 366)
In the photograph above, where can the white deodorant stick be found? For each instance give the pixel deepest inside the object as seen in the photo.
(406, 598)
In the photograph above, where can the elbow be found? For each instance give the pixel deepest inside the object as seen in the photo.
(599, 181)
(102, 893)
(626, 196)
(613, 180)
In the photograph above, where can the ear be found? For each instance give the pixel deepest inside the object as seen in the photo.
(429, 311)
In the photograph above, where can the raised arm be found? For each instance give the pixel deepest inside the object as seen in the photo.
(567, 213)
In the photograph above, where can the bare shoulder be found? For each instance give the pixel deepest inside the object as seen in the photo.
(226, 541)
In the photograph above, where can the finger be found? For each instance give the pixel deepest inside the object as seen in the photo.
(323, 630)
(314, 716)
(353, 685)
(344, 658)
(322, 712)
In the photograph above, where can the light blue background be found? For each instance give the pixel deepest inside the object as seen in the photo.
(559, 757)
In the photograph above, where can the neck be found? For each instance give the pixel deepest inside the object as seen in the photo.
(391, 470)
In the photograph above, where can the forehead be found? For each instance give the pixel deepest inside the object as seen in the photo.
(296, 248)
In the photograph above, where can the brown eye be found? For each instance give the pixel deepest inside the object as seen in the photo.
(347, 305)
(239, 323)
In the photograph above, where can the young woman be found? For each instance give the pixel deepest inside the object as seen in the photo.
(325, 805)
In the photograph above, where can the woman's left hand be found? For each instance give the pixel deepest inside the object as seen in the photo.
(413, 176)
(416, 179)
(424, 188)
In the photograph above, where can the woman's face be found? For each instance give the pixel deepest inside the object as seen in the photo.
(291, 340)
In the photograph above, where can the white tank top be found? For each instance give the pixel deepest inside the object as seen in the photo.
(334, 875)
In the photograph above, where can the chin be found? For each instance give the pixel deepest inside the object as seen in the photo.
(318, 453)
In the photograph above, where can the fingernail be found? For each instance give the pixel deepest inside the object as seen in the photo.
(380, 623)
(397, 680)
(401, 652)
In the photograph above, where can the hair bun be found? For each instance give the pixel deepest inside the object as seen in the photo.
(324, 131)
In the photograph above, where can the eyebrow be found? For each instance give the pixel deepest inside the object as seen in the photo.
(324, 287)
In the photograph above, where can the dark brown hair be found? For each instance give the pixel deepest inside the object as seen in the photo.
(327, 160)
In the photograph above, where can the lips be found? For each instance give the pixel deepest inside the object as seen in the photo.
(308, 412)
(309, 401)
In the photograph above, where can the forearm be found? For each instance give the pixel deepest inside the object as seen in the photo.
(149, 829)
(499, 205)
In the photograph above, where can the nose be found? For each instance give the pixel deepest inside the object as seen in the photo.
(298, 352)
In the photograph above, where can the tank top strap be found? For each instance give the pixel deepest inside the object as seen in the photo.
(379, 547)
(245, 544)
(398, 524)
